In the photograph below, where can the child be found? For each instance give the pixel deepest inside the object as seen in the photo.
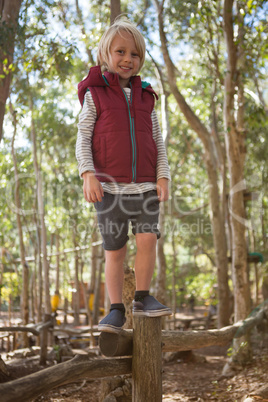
(123, 163)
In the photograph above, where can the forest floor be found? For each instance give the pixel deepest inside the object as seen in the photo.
(200, 380)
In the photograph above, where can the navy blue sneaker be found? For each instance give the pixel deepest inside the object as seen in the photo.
(148, 306)
(113, 322)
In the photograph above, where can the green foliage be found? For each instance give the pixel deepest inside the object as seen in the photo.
(202, 286)
(10, 287)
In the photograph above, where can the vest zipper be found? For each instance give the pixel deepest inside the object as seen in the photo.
(132, 135)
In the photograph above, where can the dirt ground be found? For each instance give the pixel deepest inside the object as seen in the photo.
(199, 381)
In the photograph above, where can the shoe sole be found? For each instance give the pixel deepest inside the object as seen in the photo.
(152, 313)
(109, 328)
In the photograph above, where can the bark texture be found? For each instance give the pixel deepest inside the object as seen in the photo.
(175, 341)
(9, 12)
(235, 155)
(161, 259)
(80, 367)
(210, 160)
(115, 10)
(147, 360)
(41, 209)
(128, 294)
(25, 271)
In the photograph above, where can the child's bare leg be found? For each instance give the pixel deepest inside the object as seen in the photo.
(144, 304)
(145, 259)
(114, 273)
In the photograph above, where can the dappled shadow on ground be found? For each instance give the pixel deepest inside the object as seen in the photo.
(202, 381)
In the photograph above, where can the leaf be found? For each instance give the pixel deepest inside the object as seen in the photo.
(249, 5)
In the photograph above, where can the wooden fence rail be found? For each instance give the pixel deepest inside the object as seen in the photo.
(80, 367)
(112, 345)
(145, 344)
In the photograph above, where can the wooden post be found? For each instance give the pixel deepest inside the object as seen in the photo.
(65, 310)
(147, 359)
(44, 341)
(14, 346)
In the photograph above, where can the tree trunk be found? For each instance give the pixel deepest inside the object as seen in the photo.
(235, 165)
(41, 210)
(38, 262)
(58, 261)
(115, 10)
(210, 160)
(96, 304)
(25, 272)
(32, 297)
(9, 12)
(161, 259)
(1, 271)
(174, 281)
(94, 257)
(76, 295)
(86, 296)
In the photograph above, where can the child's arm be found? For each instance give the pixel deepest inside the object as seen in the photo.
(92, 188)
(86, 124)
(162, 167)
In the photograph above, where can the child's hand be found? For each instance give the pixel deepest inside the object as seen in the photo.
(162, 189)
(92, 188)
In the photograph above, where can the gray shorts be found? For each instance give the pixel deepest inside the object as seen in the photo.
(115, 211)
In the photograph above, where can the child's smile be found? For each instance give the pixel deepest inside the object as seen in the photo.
(124, 58)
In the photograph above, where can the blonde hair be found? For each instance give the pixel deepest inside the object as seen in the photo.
(120, 25)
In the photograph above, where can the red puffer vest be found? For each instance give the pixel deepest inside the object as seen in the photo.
(123, 146)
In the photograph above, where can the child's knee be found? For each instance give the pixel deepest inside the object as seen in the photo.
(146, 240)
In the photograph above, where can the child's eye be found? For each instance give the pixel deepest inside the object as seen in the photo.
(135, 55)
(120, 51)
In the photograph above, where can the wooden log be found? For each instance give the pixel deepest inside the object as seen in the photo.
(147, 359)
(37, 329)
(112, 345)
(179, 340)
(176, 341)
(20, 329)
(80, 367)
(74, 331)
(46, 324)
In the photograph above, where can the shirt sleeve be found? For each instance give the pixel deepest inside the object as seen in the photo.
(87, 120)
(162, 167)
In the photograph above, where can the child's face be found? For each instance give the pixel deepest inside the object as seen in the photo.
(124, 58)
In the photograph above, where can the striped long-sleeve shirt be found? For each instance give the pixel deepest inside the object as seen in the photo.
(87, 119)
